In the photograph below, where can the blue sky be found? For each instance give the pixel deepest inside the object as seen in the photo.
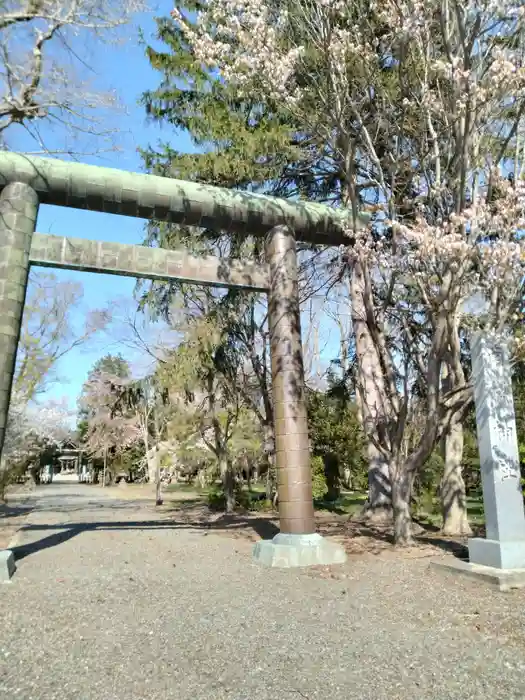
(125, 69)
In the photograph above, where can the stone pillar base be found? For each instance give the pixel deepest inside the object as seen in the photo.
(290, 551)
(7, 565)
(497, 554)
(504, 579)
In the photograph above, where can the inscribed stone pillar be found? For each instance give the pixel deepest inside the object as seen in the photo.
(18, 213)
(297, 544)
(292, 450)
(504, 546)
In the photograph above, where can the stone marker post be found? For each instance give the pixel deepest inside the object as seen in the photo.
(504, 546)
(297, 544)
(18, 213)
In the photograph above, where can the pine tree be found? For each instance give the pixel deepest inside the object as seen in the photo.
(246, 144)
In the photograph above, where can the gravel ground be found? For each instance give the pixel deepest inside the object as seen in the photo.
(11, 520)
(112, 601)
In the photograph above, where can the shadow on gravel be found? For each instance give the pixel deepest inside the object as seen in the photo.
(66, 531)
(360, 536)
(137, 504)
(14, 511)
(356, 538)
(458, 549)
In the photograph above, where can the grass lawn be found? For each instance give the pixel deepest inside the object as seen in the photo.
(349, 503)
(476, 514)
(475, 509)
(195, 488)
(186, 488)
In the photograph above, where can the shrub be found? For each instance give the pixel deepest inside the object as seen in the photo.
(262, 505)
(319, 485)
(333, 478)
(216, 499)
(243, 499)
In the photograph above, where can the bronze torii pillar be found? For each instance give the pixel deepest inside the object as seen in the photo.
(18, 213)
(297, 544)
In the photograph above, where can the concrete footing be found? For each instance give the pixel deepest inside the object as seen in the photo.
(504, 579)
(498, 554)
(7, 565)
(290, 551)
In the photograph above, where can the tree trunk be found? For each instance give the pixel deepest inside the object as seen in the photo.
(34, 471)
(269, 451)
(201, 478)
(156, 451)
(228, 483)
(347, 478)
(153, 463)
(378, 506)
(105, 469)
(333, 477)
(4, 481)
(401, 496)
(452, 490)
(158, 495)
(152, 466)
(270, 482)
(371, 404)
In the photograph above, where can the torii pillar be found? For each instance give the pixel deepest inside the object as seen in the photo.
(297, 544)
(18, 213)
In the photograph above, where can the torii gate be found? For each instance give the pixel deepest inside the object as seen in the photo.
(26, 181)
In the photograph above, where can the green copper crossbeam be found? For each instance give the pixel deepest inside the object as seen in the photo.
(92, 187)
(149, 263)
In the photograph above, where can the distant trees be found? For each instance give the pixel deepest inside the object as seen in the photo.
(195, 410)
(49, 332)
(31, 430)
(109, 425)
(204, 378)
(122, 414)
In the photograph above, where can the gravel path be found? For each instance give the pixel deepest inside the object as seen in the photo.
(112, 601)
(12, 517)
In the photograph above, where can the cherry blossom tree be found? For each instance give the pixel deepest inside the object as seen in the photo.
(431, 272)
(111, 424)
(42, 66)
(31, 429)
(418, 105)
(122, 412)
(148, 400)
